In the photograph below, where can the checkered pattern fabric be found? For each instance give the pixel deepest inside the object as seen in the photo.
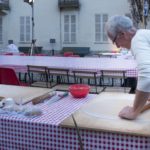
(95, 64)
(54, 113)
(21, 135)
(44, 132)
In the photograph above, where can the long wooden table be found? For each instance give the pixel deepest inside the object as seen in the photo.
(96, 116)
(101, 114)
(22, 94)
(42, 132)
(72, 63)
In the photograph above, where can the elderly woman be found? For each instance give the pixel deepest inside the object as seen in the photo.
(121, 31)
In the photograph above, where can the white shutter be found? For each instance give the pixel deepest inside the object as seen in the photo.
(1, 29)
(25, 29)
(22, 30)
(104, 34)
(28, 29)
(100, 32)
(69, 28)
(73, 29)
(97, 28)
(66, 28)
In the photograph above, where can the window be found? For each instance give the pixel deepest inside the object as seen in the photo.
(100, 32)
(69, 28)
(1, 29)
(25, 29)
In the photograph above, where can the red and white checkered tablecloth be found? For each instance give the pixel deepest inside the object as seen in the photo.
(131, 73)
(19, 63)
(54, 113)
(44, 132)
(20, 135)
(23, 69)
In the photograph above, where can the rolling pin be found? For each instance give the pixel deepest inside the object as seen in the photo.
(43, 97)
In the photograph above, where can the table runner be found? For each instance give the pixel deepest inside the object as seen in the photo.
(55, 113)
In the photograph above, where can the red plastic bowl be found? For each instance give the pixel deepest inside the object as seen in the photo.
(79, 90)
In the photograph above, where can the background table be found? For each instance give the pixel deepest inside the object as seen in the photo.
(109, 54)
(19, 63)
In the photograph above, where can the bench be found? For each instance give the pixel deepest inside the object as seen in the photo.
(26, 49)
(81, 51)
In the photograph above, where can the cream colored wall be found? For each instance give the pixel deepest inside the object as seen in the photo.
(11, 21)
(48, 21)
(87, 19)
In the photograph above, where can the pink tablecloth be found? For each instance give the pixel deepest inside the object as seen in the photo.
(54, 113)
(43, 133)
(19, 63)
(19, 135)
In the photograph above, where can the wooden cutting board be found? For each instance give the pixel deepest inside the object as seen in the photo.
(101, 114)
(20, 92)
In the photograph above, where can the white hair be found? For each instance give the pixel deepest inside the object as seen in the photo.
(118, 23)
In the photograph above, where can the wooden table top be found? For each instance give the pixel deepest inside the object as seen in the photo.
(101, 114)
(21, 92)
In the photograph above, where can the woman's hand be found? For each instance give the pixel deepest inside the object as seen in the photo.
(128, 113)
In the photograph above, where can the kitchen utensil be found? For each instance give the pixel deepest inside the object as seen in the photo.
(57, 98)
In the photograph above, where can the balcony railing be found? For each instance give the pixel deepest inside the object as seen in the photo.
(71, 4)
(4, 5)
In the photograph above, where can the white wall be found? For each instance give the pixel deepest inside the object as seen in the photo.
(48, 21)
(88, 10)
(11, 20)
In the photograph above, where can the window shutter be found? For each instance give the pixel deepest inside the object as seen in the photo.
(100, 32)
(25, 29)
(1, 29)
(69, 28)
(73, 29)
(105, 37)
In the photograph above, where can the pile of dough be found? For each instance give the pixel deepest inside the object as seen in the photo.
(2, 104)
(10, 108)
(9, 104)
(32, 111)
(8, 101)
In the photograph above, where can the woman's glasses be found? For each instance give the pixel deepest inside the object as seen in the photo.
(115, 38)
(118, 35)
